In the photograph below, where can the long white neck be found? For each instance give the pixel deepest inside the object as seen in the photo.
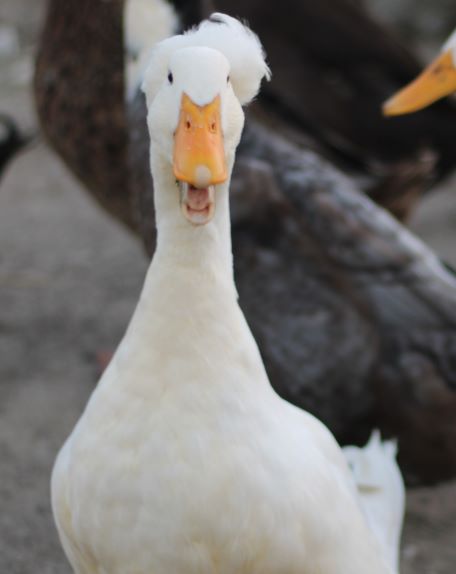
(188, 327)
(191, 253)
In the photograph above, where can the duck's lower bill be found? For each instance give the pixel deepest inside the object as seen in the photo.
(197, 204)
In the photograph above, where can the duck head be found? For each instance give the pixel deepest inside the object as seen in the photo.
(436, 81)
(195, 87)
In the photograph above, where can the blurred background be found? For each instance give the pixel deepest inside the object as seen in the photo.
(70, 277)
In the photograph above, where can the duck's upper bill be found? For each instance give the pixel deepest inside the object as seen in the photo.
(199, 157)
(436, 81)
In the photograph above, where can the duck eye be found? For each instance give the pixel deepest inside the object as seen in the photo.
(170, 78)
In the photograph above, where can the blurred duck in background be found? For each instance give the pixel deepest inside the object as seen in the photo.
(11, 140)
(436, 81)
(346, 305)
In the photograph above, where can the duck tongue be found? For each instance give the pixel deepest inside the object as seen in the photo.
(198, 199)
(198, 204)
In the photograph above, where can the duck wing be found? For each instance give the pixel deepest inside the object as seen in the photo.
(355, 316)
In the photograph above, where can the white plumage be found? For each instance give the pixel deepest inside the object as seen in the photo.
(185, 460)
(381, 491)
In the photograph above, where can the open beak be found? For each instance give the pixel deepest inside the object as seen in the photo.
(435, 82)
(199, 158)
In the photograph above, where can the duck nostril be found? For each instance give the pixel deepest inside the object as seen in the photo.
(213, 127)
(188, 124)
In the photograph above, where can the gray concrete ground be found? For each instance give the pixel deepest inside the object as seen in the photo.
(69, 279)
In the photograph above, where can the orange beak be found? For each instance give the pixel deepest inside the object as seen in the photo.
(199, 155)
(435, 82)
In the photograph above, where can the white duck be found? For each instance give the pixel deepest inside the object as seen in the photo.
(436, 81)
(185, 459)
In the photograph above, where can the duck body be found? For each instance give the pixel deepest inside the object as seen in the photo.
(232, 499)
(185, 459)
(206, 469)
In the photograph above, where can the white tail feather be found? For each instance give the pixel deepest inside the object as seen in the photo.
(381, 491)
